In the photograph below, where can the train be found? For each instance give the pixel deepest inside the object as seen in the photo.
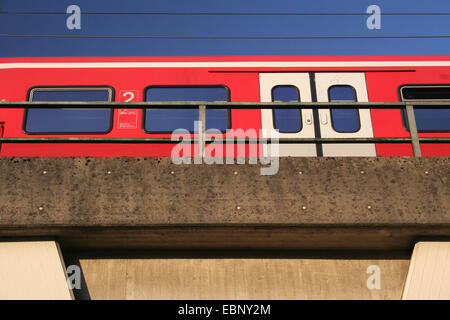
(233, 79)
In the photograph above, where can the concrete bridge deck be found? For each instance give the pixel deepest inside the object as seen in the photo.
(151, 203)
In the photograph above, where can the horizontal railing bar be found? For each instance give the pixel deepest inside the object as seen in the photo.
(223, 105)
(224, 140)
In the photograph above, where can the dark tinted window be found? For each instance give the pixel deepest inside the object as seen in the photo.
(426, 93)
(286, 120)
(168, 120)
(428, 119)
(68, 120)
(343, 120)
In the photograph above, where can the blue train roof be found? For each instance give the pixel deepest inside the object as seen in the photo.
(232, 28)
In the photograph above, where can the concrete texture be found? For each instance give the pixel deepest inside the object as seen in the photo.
(239, 278)
(429, 272)
(341, 203)
(32, 270)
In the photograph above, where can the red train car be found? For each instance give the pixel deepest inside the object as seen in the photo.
(236, 79)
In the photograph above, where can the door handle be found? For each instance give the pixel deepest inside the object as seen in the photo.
(323, 118)
(308, 118)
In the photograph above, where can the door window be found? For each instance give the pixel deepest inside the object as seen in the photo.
(286, 120)
(344, 120)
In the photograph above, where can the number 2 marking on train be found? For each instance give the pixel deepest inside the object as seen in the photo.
(130, 94)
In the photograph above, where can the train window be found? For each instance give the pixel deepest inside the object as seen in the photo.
(428, 119)
(68, 120)
(168, 120)
(286, 120)
(343, 120)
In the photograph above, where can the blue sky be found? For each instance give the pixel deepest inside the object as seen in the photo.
(222, 34)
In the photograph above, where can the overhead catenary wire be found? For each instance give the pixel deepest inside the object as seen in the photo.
(237, 13)
(221, 37)
(211, 37)
(194, 37)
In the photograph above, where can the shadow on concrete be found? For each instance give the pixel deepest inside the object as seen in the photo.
(83, 292)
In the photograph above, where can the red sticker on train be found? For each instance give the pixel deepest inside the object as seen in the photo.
(128, 118)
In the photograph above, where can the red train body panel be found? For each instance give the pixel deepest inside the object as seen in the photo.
(242, 75)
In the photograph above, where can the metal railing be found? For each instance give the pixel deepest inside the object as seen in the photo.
(414, 138)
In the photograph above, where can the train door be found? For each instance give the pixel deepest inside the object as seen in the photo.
(290, 123)
(344, 123)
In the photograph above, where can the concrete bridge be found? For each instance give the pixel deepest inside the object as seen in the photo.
(133, 214)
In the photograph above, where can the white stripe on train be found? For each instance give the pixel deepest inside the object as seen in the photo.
(246, 64)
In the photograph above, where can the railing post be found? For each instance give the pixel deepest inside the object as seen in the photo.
(413, 130)
(201, 130)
